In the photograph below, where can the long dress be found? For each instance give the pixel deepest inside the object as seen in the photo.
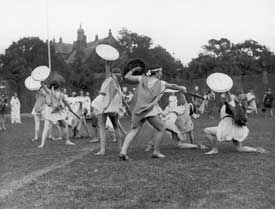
(15, 110)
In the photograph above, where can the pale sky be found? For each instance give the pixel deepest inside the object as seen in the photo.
(180, 26)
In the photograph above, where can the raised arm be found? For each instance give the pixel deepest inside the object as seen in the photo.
(108, 69)
(133, 78)
(46, 89)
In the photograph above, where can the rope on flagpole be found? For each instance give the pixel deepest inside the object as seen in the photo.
(48, 40)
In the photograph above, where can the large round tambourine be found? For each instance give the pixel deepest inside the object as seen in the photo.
(31, 84)
(41, 73)
(219, 82)
(107, 52)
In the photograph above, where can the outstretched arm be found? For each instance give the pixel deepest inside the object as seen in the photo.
(175, 87)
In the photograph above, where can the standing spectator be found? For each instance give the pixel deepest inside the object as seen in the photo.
(267, 102)
(251, 102)
(197, 102)
(3, 106)
(15, 109)
(242, 98)
(87, 104)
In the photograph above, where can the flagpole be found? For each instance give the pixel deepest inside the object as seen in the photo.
(48, 37)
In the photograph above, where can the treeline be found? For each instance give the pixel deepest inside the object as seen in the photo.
(248, 57)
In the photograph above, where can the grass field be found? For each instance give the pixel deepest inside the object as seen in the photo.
(60, 176)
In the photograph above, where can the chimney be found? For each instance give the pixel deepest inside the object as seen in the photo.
(96, 37)
(60, 40)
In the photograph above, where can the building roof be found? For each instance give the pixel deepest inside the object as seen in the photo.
(63, 48)
(91, 48)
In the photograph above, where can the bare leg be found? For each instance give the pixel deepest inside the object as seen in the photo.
(129, 138)
(3, 122)
(66, 133)
(241, 148)
(47, 125)
(101, 123)
(157, 123)
(114, 120)
(36, 127)
(87, 128)
(211, 136)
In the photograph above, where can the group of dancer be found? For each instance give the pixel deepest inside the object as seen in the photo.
(55, 108)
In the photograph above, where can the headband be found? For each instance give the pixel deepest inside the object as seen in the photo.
(153, 70)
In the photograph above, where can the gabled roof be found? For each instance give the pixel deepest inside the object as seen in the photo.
(91, 48)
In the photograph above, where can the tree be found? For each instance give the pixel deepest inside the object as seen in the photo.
(248, 57)
(134, 45)
(25, 55)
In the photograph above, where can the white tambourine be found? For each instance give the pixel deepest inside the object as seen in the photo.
(31, 84)
(107, 52)
(219, 82)
(41, 73)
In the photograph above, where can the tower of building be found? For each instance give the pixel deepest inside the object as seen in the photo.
(81, 42)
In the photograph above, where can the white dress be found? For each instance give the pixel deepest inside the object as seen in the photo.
(251, 104)
(15, 110)
(227, 128)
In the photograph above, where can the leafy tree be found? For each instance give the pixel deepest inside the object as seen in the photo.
(248, 57)
(134, 45)
(25, 55)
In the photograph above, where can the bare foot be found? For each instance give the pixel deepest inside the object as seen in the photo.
(212, 151)
(100, 153)
(40, 146)
(261, 150)
(69, 143)
(158, 155)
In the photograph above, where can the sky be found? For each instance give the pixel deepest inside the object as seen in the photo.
(180, 26)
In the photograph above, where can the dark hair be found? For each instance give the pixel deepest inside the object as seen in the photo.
(116, 70)
(152, 68)
(133, 63)
(55, 85)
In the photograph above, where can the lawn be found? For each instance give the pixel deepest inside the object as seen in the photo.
(60, 176)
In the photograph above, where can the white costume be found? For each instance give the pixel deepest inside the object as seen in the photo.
(15, 110)
(87, 104)
(251, 103)
(227, 128)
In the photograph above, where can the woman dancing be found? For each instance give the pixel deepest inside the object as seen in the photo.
(228, 129)
(54, 111)
(109, 103)
(149, 91)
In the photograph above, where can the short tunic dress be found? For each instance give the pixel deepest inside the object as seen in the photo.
(55, 110)
(147, 95)
(227, 129)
